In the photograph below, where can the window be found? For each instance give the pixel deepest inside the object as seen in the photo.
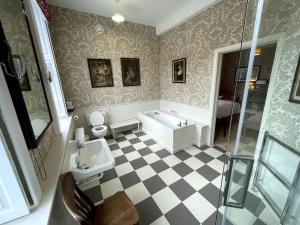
(48, 53)
(276, 174)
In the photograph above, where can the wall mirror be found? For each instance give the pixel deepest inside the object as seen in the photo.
(19, 64)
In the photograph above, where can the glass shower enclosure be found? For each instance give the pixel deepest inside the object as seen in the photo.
(262, 181)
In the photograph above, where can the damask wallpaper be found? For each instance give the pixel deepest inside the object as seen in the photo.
(283, 117)
(196, 39)
(75, 39)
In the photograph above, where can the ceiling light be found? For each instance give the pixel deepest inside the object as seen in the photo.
(118, 18)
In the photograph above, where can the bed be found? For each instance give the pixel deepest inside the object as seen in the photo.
(224, 109)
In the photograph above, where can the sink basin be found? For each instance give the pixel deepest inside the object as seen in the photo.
(95, 157)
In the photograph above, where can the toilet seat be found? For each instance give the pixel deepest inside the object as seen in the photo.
(99, 129)
(96, 118)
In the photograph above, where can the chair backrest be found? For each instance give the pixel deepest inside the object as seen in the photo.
(77, 203)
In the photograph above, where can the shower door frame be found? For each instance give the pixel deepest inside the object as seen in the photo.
(256, 41)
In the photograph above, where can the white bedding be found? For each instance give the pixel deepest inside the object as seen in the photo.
(224, 108)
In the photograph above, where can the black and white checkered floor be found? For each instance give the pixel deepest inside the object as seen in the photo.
(170, 189)
(166, 189)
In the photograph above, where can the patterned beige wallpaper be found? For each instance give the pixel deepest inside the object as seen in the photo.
(283, 118)
(196, 40)
(75, 39)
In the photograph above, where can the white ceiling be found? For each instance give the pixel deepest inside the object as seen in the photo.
(162, 14)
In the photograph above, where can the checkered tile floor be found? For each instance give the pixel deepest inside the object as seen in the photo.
(170, 189)
(166, 189)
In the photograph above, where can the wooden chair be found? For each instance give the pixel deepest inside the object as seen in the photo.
(115, 210)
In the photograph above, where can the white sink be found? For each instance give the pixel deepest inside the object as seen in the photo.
(95, 157)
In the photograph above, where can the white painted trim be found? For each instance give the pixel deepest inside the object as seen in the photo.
(12, 124)
(218, 53)
(184, 14)
(42, 64)
(13, 202)
(48, 52)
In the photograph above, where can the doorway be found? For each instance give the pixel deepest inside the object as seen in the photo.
(230, 95)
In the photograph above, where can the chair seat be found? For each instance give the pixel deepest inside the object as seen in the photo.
(116, 210)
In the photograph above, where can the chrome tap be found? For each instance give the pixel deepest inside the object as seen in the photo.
(185, 123)
(179, 125)
(80, 145)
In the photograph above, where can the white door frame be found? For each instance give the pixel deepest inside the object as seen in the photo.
(218, 56)
(13, 202)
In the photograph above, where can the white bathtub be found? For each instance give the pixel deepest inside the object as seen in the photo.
(164, 128)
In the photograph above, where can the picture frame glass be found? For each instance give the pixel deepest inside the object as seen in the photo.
(131, 71)
(100, 72)
(179, 70)
(241, 74)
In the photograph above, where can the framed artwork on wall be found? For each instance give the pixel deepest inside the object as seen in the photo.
(131, 71)
(179, 70)
(295, 92)
(241, 73)
(100, 73)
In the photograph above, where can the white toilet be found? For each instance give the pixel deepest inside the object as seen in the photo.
(96, 120)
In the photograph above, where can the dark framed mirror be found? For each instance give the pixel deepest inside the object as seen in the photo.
(20, 66)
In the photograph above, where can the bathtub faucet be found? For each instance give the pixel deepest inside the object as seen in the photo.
(179, 125)
(185, 123)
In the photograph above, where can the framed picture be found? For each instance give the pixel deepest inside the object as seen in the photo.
(100, 73)
(295, 92)
(131, 71)
(241, 73)
(24, 83)
(179, 70)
